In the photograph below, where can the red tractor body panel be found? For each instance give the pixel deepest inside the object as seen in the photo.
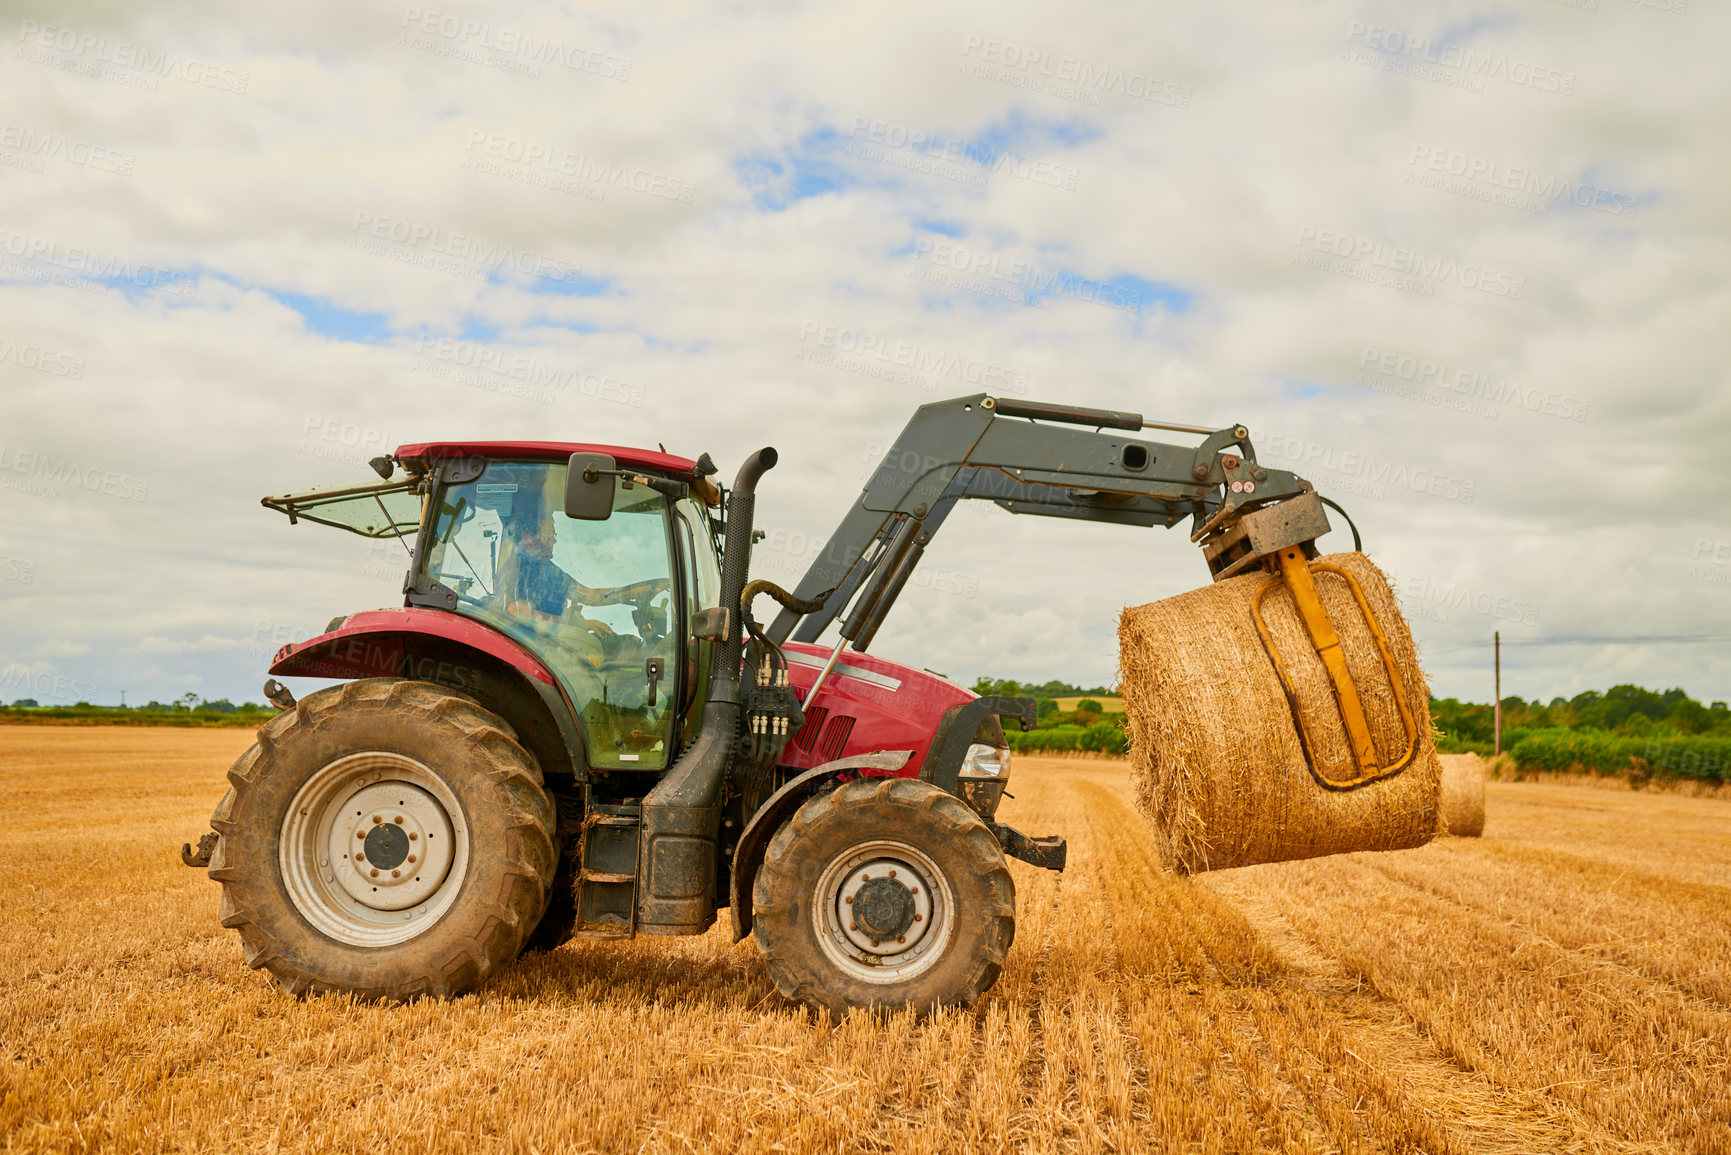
(370, 645)
(545, 451)
(866, 704)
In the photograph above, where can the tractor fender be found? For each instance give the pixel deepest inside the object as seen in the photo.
(371, 645)
(780, 806)
(469, 656)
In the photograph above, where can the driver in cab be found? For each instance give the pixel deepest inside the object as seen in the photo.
(535, 590)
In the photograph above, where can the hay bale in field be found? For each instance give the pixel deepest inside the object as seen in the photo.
(1219, 768)
(1463, 794)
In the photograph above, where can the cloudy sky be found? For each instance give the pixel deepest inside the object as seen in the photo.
(1464, 268)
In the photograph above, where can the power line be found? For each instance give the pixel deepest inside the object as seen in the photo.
(1590, 640)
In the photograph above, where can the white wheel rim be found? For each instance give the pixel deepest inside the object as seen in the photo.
(914, 908)
(348, 840)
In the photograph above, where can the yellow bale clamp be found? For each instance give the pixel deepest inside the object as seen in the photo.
(1297, 575)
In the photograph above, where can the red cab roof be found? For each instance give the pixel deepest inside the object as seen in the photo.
(545, 450)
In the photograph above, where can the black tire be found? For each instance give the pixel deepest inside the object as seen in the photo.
(559, 921)
(501, 861)
(789, 915)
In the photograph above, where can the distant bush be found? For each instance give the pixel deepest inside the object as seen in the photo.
(1100, 738)
(1702, 757)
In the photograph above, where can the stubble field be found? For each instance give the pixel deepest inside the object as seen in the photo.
(1563, 984)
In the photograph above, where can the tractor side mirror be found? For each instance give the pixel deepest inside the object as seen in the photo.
(589, 487)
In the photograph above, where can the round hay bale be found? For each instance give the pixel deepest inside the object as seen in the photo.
(1218, 766)
(1463, 794)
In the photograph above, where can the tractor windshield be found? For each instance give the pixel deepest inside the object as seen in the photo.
(592, 599)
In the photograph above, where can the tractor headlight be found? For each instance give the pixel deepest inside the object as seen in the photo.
(986, 761)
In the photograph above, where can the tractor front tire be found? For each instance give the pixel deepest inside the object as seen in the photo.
(884, 892)
(385, 838)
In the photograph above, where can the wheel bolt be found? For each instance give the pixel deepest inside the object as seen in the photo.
(398, 820)
(865, 878)
(892, 874)
(413, 836)
(918, 917)
(375, 872)
(850, 898)
(901, 938)
(360, 834)
(396, 874)
(361, 857)
(913, 890)
(853, 926)
(377, 818)
(875, 942)
(411, 858)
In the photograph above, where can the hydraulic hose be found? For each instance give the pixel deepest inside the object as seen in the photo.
(1356, 544)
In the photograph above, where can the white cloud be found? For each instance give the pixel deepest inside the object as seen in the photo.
(204, 644)
(60, 649)
(202, 403)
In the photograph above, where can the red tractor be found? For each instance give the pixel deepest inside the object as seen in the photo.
(574, 727)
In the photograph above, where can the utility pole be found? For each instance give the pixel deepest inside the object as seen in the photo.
(1497, 662)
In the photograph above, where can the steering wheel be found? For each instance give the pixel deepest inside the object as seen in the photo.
(637, 593)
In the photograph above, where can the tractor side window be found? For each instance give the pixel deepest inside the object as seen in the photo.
(702, 591)
(700, 548)
(592, 599)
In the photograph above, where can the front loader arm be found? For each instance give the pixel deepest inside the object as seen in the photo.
(1045, 460)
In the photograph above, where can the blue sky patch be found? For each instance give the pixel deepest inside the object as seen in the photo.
(807, 169)
(326, 319)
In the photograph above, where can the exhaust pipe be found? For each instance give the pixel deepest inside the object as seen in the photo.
(682, 815)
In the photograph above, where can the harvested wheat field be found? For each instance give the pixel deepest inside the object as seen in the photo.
(1562, 984)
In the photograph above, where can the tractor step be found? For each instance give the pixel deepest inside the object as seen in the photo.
(607, 877)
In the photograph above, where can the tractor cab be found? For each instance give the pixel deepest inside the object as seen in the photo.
(605, 603)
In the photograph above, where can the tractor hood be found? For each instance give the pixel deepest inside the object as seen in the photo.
(866, 704)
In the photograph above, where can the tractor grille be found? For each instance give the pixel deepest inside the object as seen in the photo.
(835, 737)
(807, 736)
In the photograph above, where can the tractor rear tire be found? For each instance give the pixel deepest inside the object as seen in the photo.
(559, 921)
(385, 838)
(884, 892)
